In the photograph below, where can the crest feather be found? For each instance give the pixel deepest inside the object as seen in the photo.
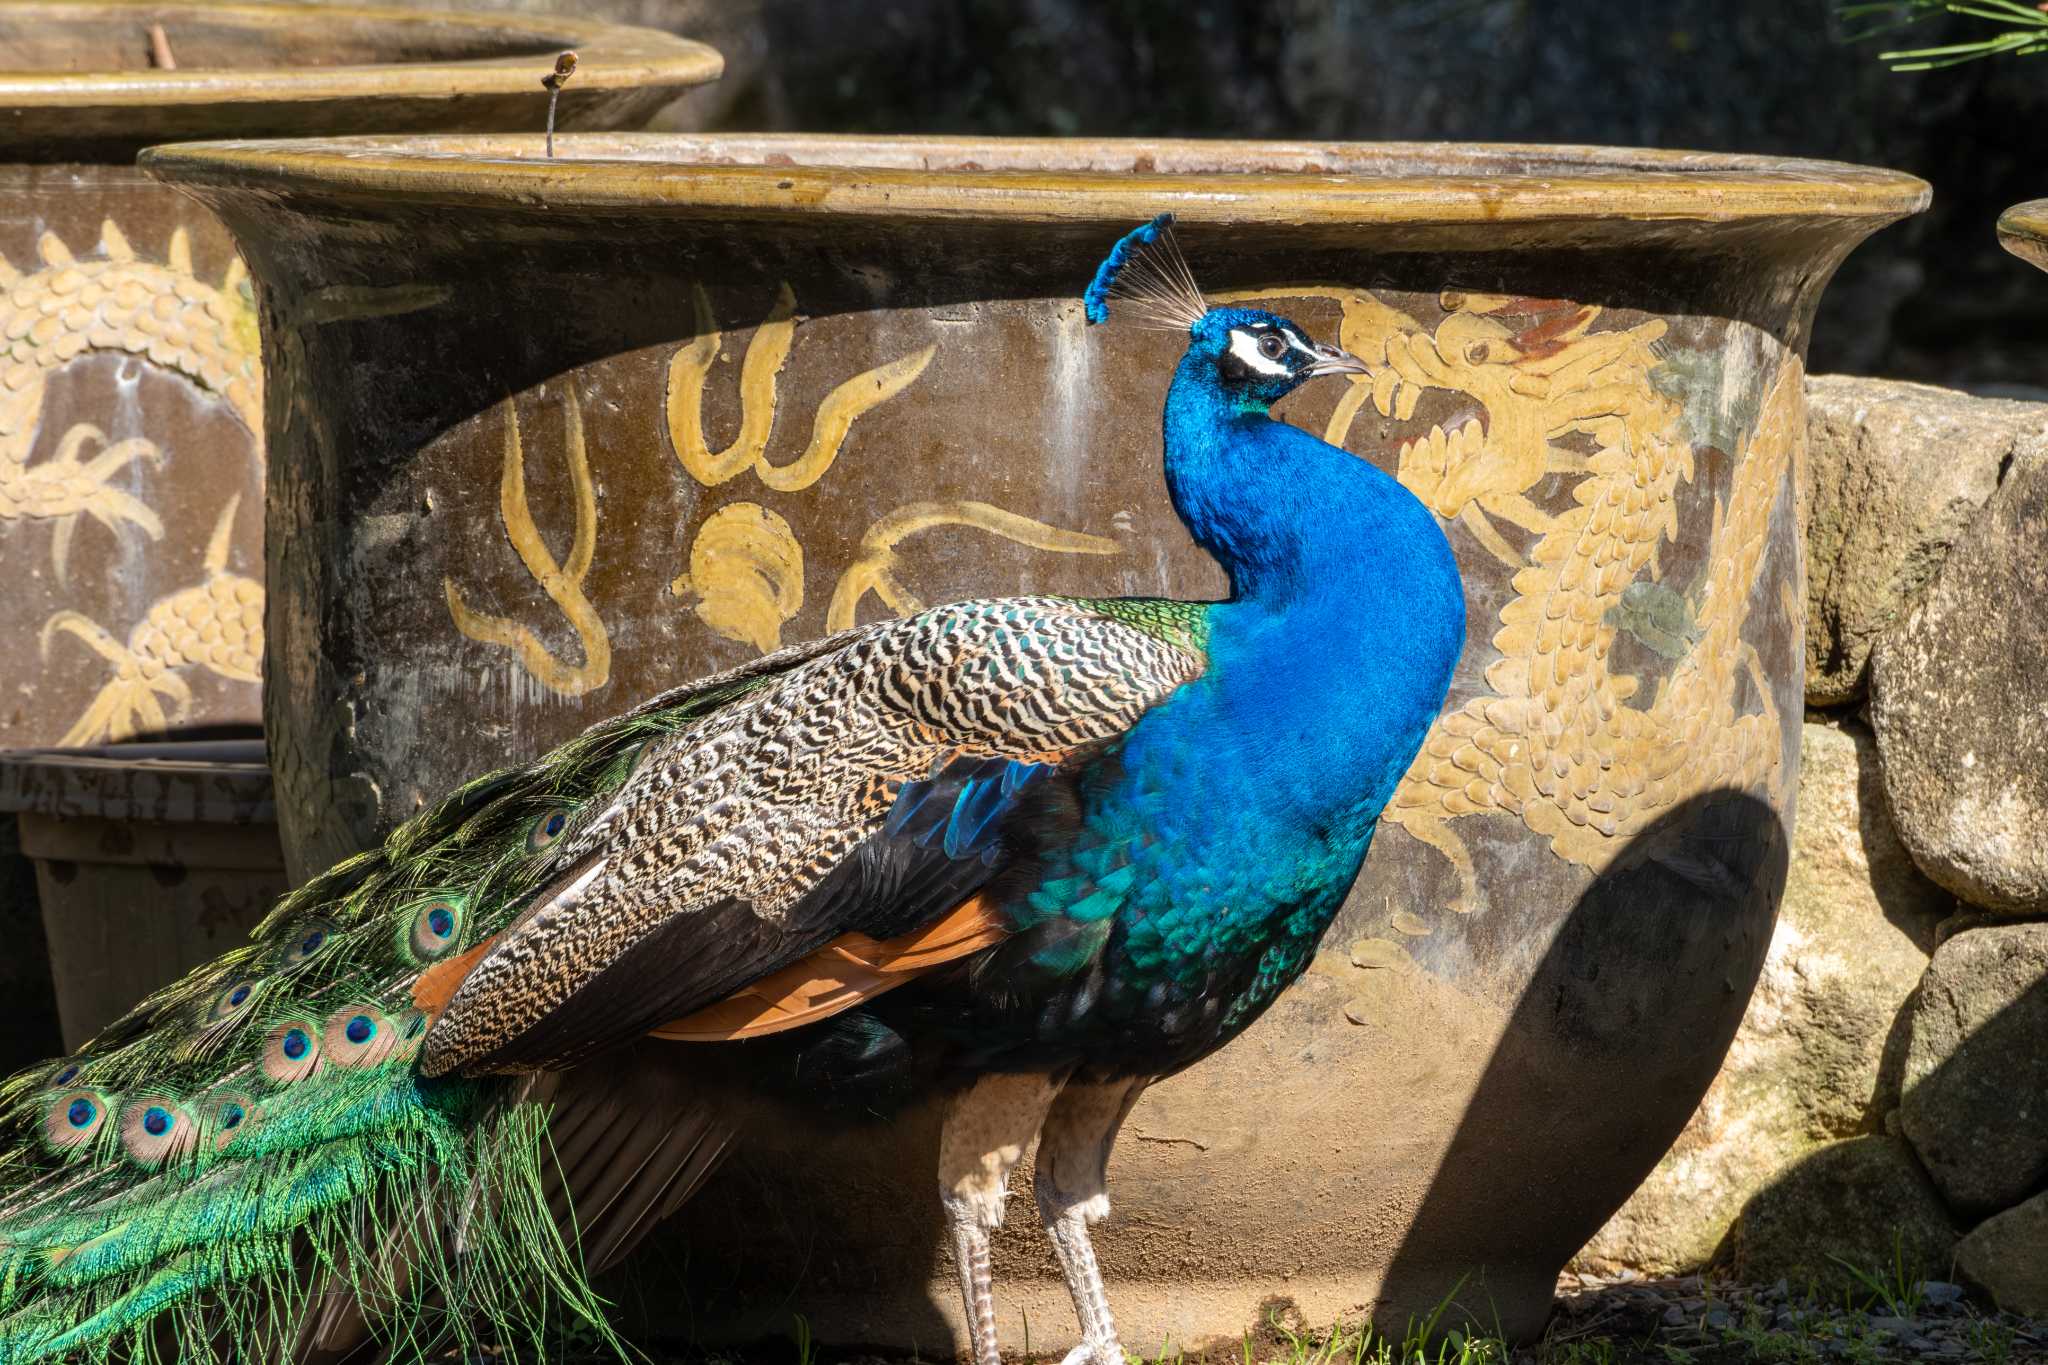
(1146, 269)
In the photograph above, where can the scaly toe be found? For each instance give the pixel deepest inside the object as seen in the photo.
(1095, 1353)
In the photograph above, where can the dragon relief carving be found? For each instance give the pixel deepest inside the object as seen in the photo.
(114, 302)
(216, 624)
(1559, 741)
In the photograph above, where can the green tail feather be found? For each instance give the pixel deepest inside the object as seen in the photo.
(255, 1134)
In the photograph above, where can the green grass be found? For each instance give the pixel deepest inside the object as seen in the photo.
(1364, 1346)
(1827, 1321)
(1896, 1286)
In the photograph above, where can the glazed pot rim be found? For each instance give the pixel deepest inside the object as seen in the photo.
(2023, 230)
(611, 56)
(1127, 179)
(213, 781)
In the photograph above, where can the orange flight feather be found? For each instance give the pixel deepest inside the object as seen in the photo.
(838, 976)
(846, 971)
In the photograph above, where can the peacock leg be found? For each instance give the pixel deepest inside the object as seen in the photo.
(982, 1138)
(1072, 1185)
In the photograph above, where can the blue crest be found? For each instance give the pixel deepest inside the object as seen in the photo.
(1096, 300)
(1146, 268)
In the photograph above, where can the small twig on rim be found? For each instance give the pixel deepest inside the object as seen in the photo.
(160, 49)
(565, 67)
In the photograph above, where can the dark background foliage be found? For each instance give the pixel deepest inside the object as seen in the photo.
(1933, 299)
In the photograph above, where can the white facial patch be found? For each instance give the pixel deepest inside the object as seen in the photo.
(1245, 347)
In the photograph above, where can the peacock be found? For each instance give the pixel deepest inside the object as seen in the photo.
(1022, 857)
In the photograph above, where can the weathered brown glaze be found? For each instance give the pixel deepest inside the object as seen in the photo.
(553, 436)
(131, 459)
(2023, 230)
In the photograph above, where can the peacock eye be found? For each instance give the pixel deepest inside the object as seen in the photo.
(308, 944)
(436, 928)
(547, 829)
(1272, 345)
(232, 999)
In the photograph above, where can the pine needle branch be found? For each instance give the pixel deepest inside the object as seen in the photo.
(2023, 29)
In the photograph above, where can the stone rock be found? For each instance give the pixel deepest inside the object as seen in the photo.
(1863, 1200)
(1808, 1065)
(1896, 473)
(1976, 1074)
(2008, 1256)
(1959, 701)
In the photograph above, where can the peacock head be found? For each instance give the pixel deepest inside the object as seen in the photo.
(1251, 357)
(1261, 357)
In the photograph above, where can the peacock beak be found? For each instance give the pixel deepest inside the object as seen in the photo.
(1330, 360)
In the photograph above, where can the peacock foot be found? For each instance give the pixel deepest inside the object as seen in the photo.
(1108, 1352)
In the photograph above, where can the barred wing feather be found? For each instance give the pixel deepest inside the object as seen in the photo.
(866, 793)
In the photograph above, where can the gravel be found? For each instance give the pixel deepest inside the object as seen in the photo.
(1694, 1321)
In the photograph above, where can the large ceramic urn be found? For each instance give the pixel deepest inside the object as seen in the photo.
(131, 391)
(548, 436)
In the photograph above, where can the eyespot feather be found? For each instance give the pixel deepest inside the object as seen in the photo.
(436, 928)
(547, 827)
(228, 1115)
(156, 1129)
(73, 1118)
(307, 941)
(232, 1000)
(357, 1036)
(292, 1051)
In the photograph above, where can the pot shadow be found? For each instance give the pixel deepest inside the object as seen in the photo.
(1606, 1053)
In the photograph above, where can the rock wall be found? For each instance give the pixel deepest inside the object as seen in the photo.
(1888, 1094)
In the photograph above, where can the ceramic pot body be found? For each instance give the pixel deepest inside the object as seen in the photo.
(131, 392)
(549, 438)
(151, 859)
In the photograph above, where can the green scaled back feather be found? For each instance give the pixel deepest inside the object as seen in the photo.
(255, 1134)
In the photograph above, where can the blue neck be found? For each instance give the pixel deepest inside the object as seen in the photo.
(1346, 613)
(1291, 518)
